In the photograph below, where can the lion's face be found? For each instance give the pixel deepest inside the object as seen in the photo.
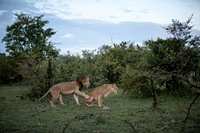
(114, 88)
(86, 82)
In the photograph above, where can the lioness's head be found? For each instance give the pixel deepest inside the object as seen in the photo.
(114, 88)
(83, 80)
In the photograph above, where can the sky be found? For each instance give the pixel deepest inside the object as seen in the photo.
(89, 24)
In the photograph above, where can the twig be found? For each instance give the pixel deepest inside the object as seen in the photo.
(38, 116)
(188, 113)
(127, 122)
(66, 126)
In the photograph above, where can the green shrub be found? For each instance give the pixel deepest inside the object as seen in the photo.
(135, 83)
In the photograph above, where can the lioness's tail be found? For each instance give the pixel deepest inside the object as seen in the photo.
(44, 95)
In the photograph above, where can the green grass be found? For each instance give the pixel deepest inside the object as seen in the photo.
(22, 115)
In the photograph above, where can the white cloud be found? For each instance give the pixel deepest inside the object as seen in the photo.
(116, 11)
(68, 35)
(2, 12)
(3, 23)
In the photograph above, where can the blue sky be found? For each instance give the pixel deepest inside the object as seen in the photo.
(89, 24)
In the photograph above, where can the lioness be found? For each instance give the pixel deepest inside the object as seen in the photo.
(72, 87)
(100, 92)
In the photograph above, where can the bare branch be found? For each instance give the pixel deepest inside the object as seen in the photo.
(188, 113)
(127, 122)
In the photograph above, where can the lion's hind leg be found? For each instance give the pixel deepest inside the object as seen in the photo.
(52, 103)
(100, 100)
(55, 95)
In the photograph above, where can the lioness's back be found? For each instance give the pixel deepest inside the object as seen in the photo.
(101, 90)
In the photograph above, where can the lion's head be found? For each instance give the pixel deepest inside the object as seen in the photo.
(114, 88)
(83, 80)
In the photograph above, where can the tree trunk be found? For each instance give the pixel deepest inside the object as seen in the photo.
(154, 104)
(49, 74)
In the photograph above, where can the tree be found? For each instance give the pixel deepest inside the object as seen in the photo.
(180, 30)
(27, 41)
(114, 60)
(135, 78)
(175, 57)
(94, 66)
(27, 35)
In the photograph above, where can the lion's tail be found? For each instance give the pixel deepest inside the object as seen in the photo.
(44, 95)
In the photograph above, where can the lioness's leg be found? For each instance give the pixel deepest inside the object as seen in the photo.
(100, 100)
(89, 102)
(60, 99)
(76, 98)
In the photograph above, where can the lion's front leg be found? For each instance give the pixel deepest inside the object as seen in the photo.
(76, 98)
(78, 92)
(60, 99)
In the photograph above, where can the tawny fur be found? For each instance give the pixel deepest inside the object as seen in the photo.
(97, 94)
(72, 87)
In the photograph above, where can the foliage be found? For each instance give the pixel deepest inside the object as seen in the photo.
(173, 58)
(180, 30)
(27, 35)
(136, 83)
(7, 73)
(115, 60)
(27, 41)
(68, 67)
(170, 64)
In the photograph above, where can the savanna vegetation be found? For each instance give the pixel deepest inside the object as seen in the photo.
(159, 81)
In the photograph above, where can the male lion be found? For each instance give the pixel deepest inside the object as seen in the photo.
(100, 92)
(72, 87)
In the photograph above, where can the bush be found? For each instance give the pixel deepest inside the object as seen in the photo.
(135, 83)
(35, 75)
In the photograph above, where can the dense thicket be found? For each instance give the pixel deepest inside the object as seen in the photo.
(169, 65)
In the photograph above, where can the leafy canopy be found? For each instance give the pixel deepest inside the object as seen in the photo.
(28, 35)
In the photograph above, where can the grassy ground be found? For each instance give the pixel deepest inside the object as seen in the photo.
(125, 115)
